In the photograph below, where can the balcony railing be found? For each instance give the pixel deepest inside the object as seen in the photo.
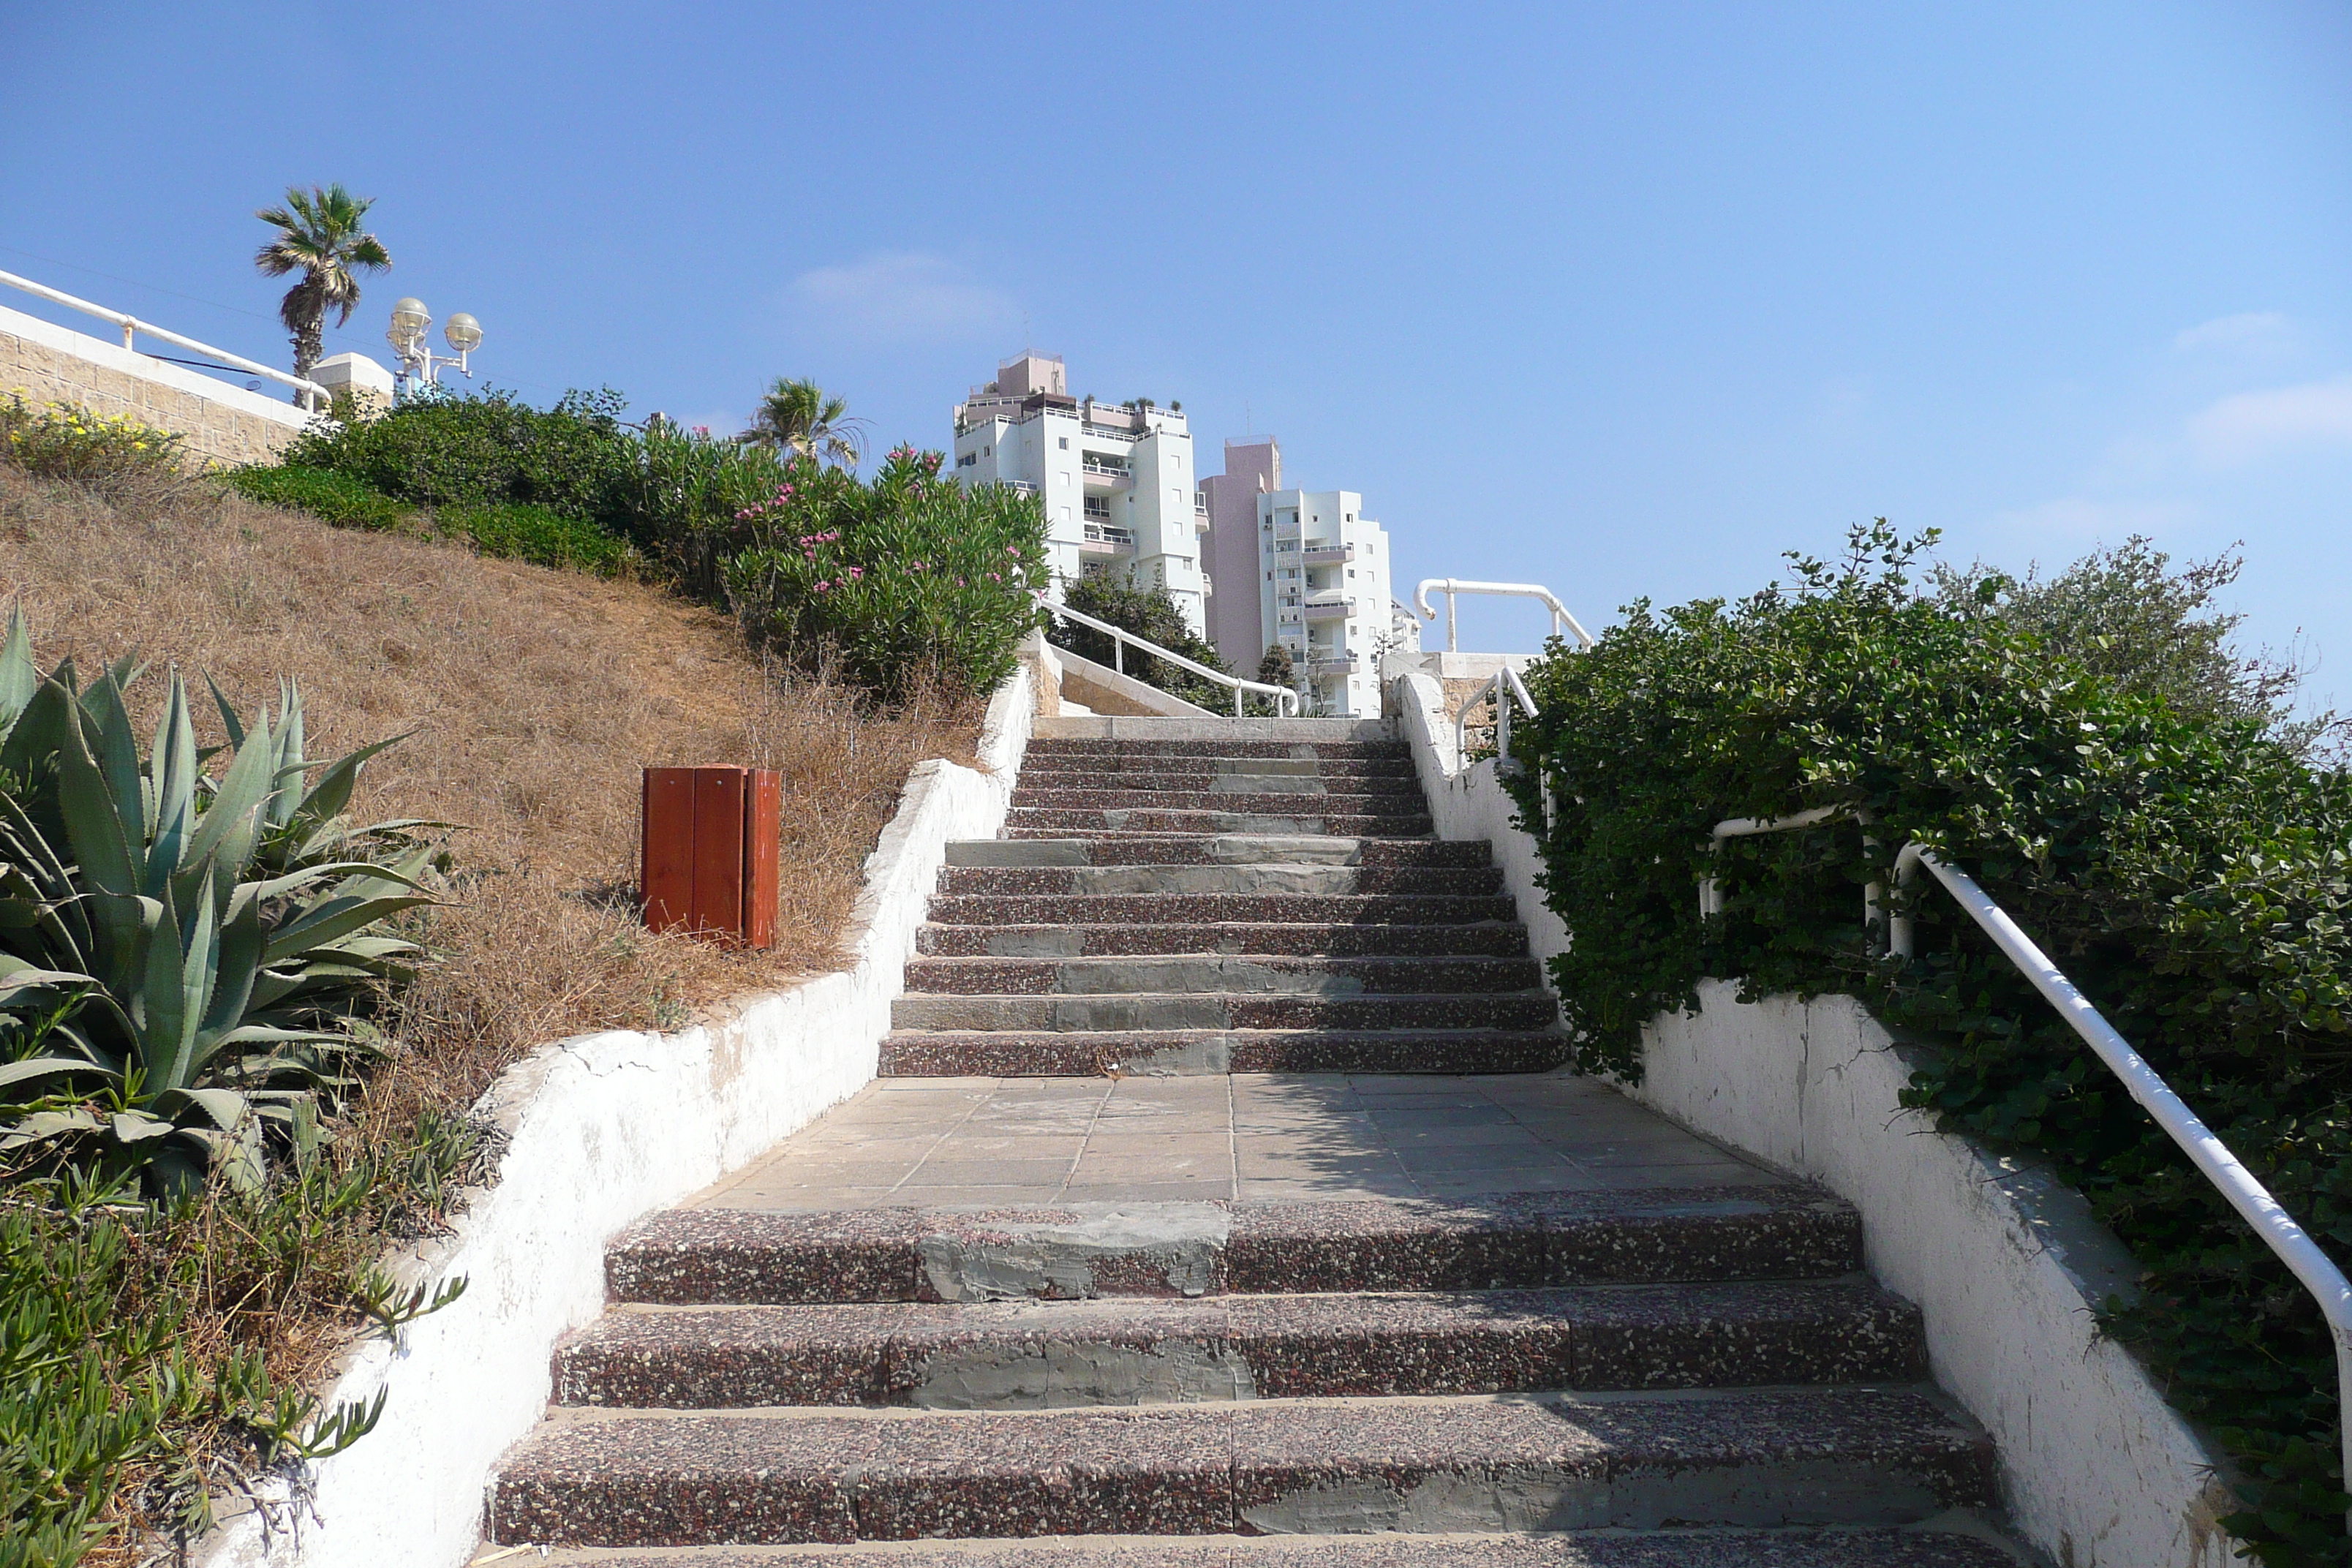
(1328, 554)
(1095, 470)
(1115, 538)
(1335, 663)
(1329, 609)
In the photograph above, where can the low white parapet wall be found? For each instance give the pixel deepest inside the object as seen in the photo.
(605, 1127)
(2006, 1263)
(218, 423)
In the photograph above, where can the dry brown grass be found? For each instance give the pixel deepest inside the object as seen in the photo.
(536, 698)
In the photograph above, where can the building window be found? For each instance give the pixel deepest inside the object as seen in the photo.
(1099, 506)
(1065, 443)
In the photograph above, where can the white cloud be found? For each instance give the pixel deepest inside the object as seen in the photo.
(2252, 425)
(904, 296)
(2075, 520)
(2248, 331)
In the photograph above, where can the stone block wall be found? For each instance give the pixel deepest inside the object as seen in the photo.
(220, 423)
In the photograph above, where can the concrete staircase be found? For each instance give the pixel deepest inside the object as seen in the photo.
(1596, 1374)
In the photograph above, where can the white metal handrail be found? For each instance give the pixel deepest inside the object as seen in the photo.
(1285, 701)
(2294, 1246)
(2317, 1272)
(1450, 586)
(1503, 688)
(131, 324)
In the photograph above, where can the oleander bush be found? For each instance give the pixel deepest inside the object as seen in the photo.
(908, 584)
(2192, 872)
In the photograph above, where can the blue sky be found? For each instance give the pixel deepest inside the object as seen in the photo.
(1625, 300)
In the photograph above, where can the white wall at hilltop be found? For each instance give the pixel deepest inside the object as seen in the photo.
(2007, 1265)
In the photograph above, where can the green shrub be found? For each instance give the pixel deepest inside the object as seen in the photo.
(326, 494)
(2191, 874)
(573, 459)
(65, 441)
(1151, 615)
(519, 531)
(910, 582)
(694, 502)
(184, 960)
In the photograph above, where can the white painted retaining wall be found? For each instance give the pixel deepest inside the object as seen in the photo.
(2006, 1263)
(605, 1127)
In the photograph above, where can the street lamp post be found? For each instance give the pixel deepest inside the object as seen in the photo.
(418, 364)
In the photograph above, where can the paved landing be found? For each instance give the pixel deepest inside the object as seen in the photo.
(1275, 1138)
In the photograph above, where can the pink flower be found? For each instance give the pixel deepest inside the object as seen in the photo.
(918, 566)
(1013, 550)
(702, 430)
(856, 573)
(821, 586)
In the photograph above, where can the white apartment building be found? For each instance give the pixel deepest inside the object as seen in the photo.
(1116, 481)
(1324, 594)
(1320, 570)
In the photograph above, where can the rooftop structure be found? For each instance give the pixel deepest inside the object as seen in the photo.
(1116, 481)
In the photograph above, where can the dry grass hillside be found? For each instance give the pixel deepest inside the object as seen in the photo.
(535, 698)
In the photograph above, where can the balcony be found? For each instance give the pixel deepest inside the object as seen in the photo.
(1345, 662)
(1329, 609)
(1102, 538)
(1116, 473)
(1328, 554)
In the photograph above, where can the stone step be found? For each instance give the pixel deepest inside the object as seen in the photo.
(1035, 1355)
(709, 1256)
(1267, 973)
(1176, 1053)
(1236, 747)
(1261, 877)
(1216, 849)
(1056, 822)
(1041, 940)
(1224, 1010)
(1398, 803)
(1202, 908)
(1099, 764)
(1843, 1455)
(1850, 1547)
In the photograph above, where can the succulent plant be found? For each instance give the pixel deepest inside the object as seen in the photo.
(185, 962)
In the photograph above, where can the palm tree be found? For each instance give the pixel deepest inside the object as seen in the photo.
(319, 235)
(799, 418)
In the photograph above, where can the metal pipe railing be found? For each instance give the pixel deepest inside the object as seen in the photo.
(1504, 687)
(2312, 1267)
(1450, 586)
(132, 324)
(1285, 701)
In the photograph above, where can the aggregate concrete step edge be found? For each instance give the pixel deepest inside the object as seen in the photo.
(1010, 1356)
(717, 1257)
(1949, 1541)
(1169, 1053)
(1839, 1455)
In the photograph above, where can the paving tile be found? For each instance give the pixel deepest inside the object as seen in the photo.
(990, 1170)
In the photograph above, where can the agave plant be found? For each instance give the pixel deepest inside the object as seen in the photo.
(184, 961)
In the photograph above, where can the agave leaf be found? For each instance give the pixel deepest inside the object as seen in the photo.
(172, 772)
(33, 1067)
(333, 791)
(137, 1126)
(94, 816)
(234, 725)
(295, 881)
(231, 823)
(227, 1107)
(238, 961)
(286, 800)
(38, 729)
(326, 922)
(114, 747)
(19, 677)
(43, 1125)
(269, 1035)
(172, 996)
